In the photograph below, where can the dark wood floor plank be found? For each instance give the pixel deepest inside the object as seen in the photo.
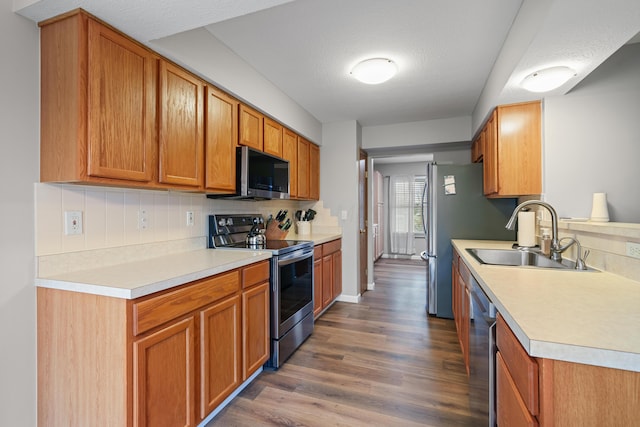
(382, 362)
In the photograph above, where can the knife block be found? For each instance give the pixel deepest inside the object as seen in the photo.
(273, 232)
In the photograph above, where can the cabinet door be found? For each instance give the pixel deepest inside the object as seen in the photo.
(221, 140)
(317, 286)
(164, 377)
(290, 153)
(466, 319)
(314, 172)
(122, 86)
(511, 410)
(519, 149)
(251, 128)
(181, 131)
(337, 274)
(255, 328)
(303, 168)
(272, 137)
(490, 144)
(220, 353)
(327, 280)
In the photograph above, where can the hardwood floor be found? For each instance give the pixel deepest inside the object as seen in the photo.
(382, 362)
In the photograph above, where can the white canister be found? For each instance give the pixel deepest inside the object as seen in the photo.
(526, 229)
(599, 209)
(304, 228)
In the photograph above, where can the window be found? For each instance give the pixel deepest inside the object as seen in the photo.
(408, 199)
(418, 188)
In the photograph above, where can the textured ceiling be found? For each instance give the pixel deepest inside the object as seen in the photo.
(444, 52)
(453, 56)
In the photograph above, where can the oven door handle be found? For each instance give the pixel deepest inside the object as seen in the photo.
(294, 256)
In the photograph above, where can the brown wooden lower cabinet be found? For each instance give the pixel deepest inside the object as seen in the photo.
(167, 359)
(164, 376)
(553, 393)
(461, 305)
(317, 280)
(327, 266)
(255, 331)
(220, 354)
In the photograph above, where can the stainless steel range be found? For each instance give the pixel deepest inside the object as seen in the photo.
(291, 279)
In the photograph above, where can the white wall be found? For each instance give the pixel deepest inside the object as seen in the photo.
(339, 191)
(216, 63)
(19, 169)
(592, 141)
(427, 132)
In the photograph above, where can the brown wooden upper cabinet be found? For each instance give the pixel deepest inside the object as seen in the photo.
(273, 134)
(125, 116)
(477, 148)
(303, 168)
(290, 153)
(251, 128)
(221, 141)
(512, 151)
(181, 130)
(314, 172)
(308, 171)
(98, 108)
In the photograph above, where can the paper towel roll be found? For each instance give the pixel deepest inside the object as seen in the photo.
(526, 229)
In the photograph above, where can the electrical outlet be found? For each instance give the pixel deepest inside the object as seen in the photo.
(633, 249)
(143, 219)
(189, 219)
(72, 222)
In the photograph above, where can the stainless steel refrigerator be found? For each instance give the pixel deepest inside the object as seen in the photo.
(454, 207)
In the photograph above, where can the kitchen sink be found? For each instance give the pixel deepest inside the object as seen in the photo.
(520, 258)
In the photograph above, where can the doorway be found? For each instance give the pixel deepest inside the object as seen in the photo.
(362, 220)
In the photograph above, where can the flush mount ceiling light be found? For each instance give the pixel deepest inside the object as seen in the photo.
(374, 71)
(547, 79)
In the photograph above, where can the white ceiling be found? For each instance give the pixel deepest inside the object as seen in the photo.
(451, 54)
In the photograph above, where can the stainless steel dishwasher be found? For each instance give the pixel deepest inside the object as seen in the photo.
(482, 350)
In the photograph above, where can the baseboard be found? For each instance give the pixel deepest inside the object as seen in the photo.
(393, 256)
(230, 398)
(354, 299)
(371, 286)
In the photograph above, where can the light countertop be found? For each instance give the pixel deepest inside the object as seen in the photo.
(583, 317)
(139, 278)
(143, 277)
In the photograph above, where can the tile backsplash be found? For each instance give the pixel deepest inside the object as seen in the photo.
(606, 242)
(111, 217)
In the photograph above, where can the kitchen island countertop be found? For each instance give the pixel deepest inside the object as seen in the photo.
(583, 317)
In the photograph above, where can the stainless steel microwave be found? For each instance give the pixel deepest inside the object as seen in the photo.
(259, 176)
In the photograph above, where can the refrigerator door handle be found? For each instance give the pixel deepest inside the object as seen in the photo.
(425, 256)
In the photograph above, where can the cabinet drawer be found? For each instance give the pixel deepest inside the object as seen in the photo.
(331, 247)
(523, 369)
(317, 252)
(254, 274)
(155, 311)
(511, 410)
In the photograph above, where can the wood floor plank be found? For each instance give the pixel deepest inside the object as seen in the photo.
(382, 362)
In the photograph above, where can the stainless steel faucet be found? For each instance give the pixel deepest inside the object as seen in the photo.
(580, 256)
(556, 251)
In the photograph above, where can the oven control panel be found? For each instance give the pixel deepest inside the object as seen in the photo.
(226, 229)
